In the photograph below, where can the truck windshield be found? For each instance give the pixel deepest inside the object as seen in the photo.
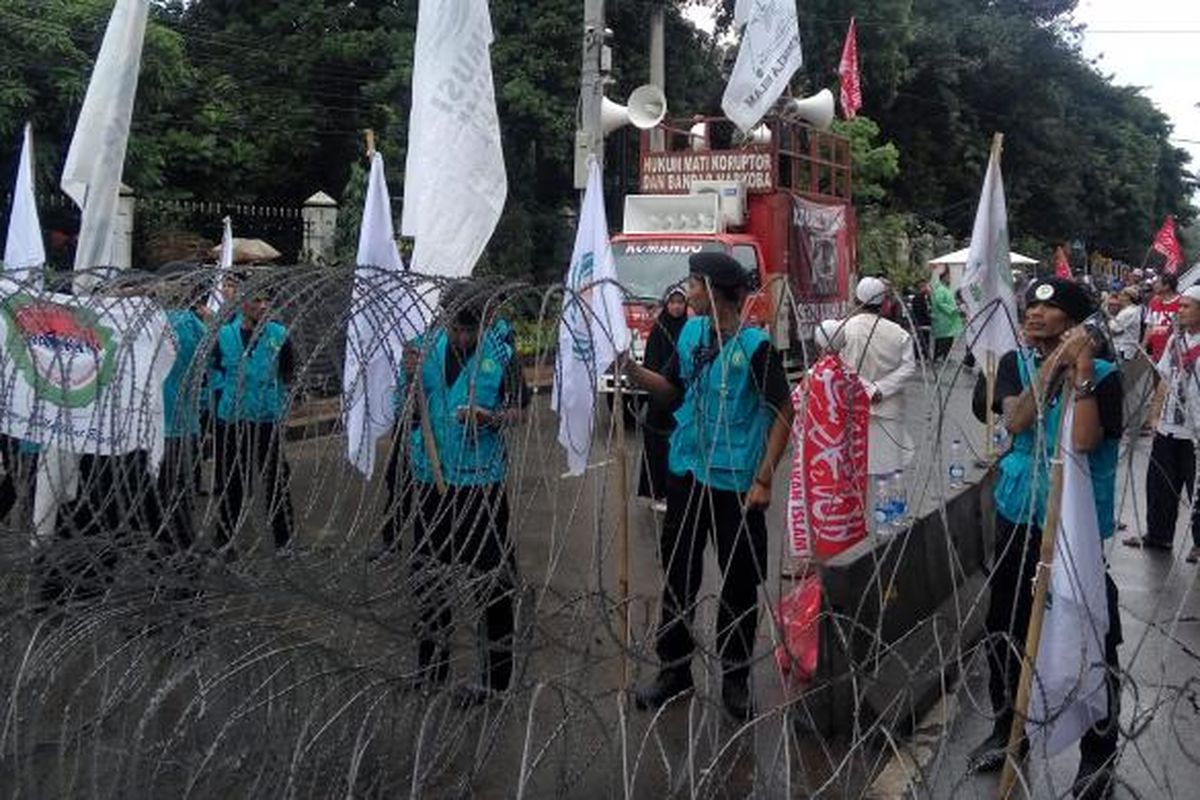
(648, 267)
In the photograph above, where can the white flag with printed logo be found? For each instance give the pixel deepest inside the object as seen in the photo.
(92, 174)
(592, 330)
(384, 315)
(24, 249)
(1069, 694)
(768, 56)
(454, 180)
(987, 278)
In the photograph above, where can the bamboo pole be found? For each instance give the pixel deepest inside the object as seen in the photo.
(1041, 587)
(990, 379)
(622, 526)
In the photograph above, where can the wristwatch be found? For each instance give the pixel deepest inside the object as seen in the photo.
(1085, 389)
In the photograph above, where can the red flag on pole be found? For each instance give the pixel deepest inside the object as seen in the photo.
(1166, 244)
(848, 72)
(1062, 267)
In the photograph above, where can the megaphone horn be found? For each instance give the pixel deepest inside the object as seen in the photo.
(647, 107)
(817, 110)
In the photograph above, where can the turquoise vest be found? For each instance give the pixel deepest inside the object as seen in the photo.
(215, 375)
(251, 388)
(722, 424)
(180, 395)
(1024, 482)
(470, 455)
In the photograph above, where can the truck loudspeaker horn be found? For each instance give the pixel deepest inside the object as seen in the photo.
(817, 110)
(647, 107)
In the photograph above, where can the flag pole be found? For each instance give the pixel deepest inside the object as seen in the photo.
(1041, 587)
(622, 526)
(990, 380)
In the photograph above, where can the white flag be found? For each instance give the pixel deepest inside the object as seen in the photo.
(592, 330)
(767, 58)
(216, 296)
(23, 249)
(92, 175)
(987, 278)
(384, 315)
(1069, 694)
(454, 181)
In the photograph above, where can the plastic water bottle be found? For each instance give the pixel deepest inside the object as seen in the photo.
(1000, 438)
(898, 496)
(883, 507)
(957, 471)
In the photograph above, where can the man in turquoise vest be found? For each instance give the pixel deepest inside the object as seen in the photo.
(255, 358)
(1060, 350)
(472, 389)
(182, 401)
(731, 429)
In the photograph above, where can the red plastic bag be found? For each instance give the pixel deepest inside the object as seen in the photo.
(798, 616)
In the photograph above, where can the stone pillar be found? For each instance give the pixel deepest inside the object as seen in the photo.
(319, 214)
(122, 234)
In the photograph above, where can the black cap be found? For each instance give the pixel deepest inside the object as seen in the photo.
(1063, 294)
(722, 270)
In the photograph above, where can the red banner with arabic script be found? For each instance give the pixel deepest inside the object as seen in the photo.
(828, 488)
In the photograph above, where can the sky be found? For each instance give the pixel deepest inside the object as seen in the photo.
(1154, 44)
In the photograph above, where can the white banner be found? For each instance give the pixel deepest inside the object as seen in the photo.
(454, 185)
(92, 174)
(592, 330)
(384, 314)
(23, 249)
(767, 58)
(84, 375)
(1068, 692)
(987, 279)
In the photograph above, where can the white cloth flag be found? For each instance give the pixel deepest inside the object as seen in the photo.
(1068, 692)
(92, 174)
(987, 277)
(23, 249)
(592, 330)
(216, 297)
(84, 375)
(384, 315)
(455, 185)
(768, 56)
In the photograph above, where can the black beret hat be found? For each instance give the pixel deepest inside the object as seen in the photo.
(722, 270)
(1063, 294)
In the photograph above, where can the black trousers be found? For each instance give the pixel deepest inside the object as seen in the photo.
(462, 551)
(246, 451)
(1017, 551)
(399, 482)
(941, 347)
(20, 475)
(694, 514)
(174, 493)
(1170, 473)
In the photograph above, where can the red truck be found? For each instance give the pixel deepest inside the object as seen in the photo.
(780, 203)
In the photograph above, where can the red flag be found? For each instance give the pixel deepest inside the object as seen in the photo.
(848, 72)
(1062, 267)
(1166, 243)
(828, 487)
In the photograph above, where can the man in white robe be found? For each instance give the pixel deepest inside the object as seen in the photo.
(881, 353)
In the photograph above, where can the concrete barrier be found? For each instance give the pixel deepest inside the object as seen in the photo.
(898, 614)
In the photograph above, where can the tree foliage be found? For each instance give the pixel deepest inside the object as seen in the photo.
(265, 102)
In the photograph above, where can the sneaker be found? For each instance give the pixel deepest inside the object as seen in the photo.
(474, 694)
(990, 754)
(667, 685)
(1145, 543)
(1193, 555)
(735, 694)
(1093, 781)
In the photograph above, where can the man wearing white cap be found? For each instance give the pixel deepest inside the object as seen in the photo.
(881, 352)
(1172, 467)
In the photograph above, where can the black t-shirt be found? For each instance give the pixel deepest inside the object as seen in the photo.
(1008, 384)
(766, 372)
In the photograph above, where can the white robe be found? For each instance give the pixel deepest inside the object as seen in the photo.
(881, 352)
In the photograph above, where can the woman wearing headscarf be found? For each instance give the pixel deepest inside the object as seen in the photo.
(660, 416)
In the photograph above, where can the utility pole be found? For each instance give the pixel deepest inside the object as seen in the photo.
(658, 71)
(589, 139)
